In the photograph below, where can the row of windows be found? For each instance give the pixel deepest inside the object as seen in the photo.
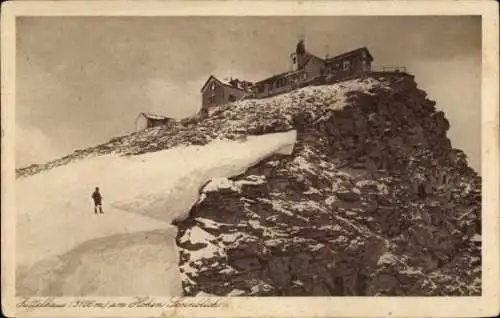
(211, 99)
(345, 66)
(282, 82)
(231, 98)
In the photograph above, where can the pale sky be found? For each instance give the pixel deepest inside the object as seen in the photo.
(84, 80)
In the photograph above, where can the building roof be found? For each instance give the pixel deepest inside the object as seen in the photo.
(310, 56)
(211, 77)
(154, 116)
(356, 51)
(278, 76)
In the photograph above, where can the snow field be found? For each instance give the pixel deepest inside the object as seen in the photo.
(141, 194)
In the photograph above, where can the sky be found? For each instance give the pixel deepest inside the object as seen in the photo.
(83, 80)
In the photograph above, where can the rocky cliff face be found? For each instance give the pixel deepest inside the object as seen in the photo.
(373, 201)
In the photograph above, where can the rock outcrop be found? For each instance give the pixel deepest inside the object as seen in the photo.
(373, 201)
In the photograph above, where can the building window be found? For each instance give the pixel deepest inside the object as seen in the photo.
(212, 87)
(260, 88)
(281, 82)
(232, 98)
(211, 99)
(346, 66)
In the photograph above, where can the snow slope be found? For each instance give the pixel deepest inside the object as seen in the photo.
(231, 121)
(64, 249)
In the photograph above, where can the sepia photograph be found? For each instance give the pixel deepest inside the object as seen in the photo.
(231, 156)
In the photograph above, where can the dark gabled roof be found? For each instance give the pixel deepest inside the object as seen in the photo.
(278, 76)
(274, 77)
(356, 51)
(311, 56)
(208, 81)
(220, 82)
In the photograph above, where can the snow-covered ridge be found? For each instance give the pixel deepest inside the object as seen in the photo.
(141, 194)
(231, 121)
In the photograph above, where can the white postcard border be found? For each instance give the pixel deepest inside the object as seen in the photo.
(486, 305)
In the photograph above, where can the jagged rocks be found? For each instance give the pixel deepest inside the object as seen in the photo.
(360, 208)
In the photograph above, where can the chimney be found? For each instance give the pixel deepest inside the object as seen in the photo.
(298, 58)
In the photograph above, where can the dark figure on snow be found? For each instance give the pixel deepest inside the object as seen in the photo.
(96, 196)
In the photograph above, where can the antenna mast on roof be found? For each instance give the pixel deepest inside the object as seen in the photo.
(327, 48)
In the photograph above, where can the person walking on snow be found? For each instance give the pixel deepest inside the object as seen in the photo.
(96, 196)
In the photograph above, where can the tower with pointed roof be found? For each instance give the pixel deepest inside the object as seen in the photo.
(299, 58)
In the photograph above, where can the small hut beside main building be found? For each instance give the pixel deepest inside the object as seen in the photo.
(148, 120)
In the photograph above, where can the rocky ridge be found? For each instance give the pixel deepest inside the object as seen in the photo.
(373, 200)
